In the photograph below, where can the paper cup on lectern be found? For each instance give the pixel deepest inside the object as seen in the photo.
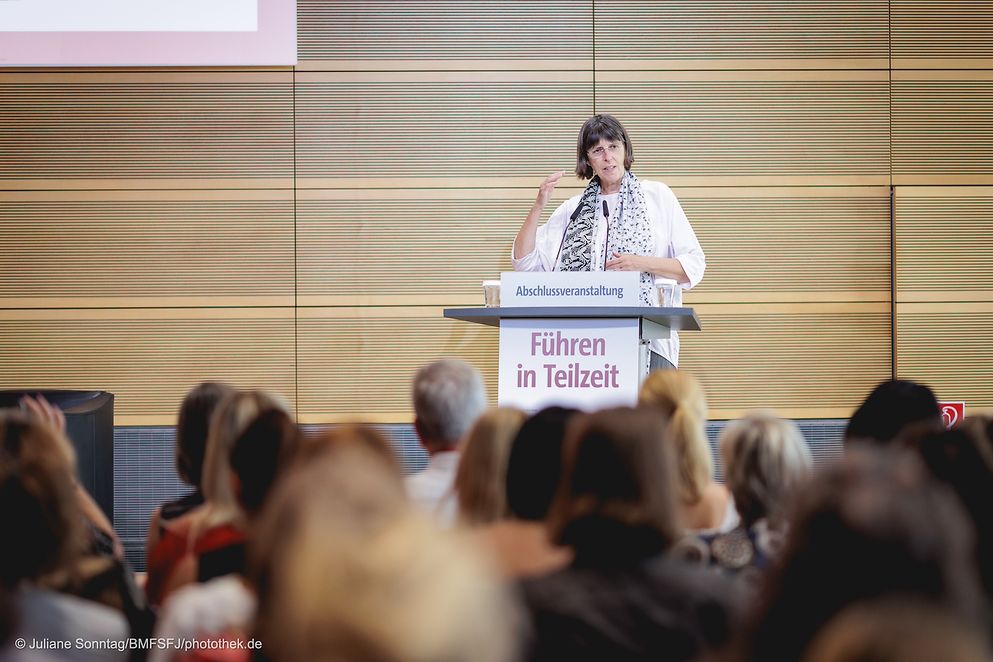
(491, 293)
(665, 290)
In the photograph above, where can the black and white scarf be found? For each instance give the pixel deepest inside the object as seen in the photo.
(630, 231)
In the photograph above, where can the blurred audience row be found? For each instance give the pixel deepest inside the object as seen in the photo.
(560, 535)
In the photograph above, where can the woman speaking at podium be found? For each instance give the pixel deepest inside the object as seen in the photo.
(618, 223)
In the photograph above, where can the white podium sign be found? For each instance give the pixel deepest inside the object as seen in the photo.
(570, 288)
(582, 363)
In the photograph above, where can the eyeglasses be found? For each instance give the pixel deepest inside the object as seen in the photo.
(599, 151)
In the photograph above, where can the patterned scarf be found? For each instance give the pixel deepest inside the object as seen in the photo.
(629, 231)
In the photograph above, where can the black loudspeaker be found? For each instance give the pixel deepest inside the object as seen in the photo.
(90, 427)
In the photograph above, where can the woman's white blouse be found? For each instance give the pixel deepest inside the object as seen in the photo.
(671, 231)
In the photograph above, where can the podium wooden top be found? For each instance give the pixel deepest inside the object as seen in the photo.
(678, 319)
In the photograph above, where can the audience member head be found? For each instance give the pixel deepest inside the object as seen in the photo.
(315, 446)
(347, 570)
(960, 458)
(480, 482)
(979, 427)
(874, 526)
(765, 460)
(39, 513)
(233, 416)
(534, 468)
(260, 454)
(897, 631)
(679, 396)
(192, 427)
(894, 410)
(616, 501)
(448, 397)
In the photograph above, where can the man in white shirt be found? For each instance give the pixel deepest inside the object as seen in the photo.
(448, 397)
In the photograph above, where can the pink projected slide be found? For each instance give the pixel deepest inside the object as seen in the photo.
(95, 33)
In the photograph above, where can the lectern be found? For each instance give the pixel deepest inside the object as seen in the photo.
(589, 357)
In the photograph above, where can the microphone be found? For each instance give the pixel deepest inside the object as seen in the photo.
(572, 218)
(606, 244)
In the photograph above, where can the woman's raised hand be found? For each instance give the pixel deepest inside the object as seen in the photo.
(546, 188)
(524, 242)
(45, 412)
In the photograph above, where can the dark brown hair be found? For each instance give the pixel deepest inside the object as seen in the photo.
(617, 497)
(39, 512)
(534, 468)
(595, 129)
(260, 454)
(897, 411)
(192, 427)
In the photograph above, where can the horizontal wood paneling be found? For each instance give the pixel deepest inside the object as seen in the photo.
(793, 242)
(942, 127)
(124, 246)
(944, 243)
(354, 365)
(452, 129)
(148, 184)
(146, 126)
(397, 245)
(753, 127)
(452, 30)
(148, 364)
(948, 347)
(789, 357)
(531, 182)
(392, 245)
(718, 29)
(922, 29)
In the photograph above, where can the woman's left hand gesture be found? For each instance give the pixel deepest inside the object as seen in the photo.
(627, 262)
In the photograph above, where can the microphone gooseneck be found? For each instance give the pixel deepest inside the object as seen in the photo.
(606, 243)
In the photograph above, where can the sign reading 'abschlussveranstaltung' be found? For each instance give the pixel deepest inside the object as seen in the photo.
(570, 288)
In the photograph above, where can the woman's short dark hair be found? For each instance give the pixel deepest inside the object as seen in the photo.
(594, 130)
(192, 427)
(616, 500)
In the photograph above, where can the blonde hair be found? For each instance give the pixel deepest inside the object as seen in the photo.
(231, 418)
(679, 395)
(329, 440)
(765, 459)
(347, 570)
(481, 480)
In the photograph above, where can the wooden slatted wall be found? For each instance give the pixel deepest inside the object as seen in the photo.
(301, 229)
(942, 102)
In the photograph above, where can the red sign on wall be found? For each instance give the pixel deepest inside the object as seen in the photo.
(952, 413)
